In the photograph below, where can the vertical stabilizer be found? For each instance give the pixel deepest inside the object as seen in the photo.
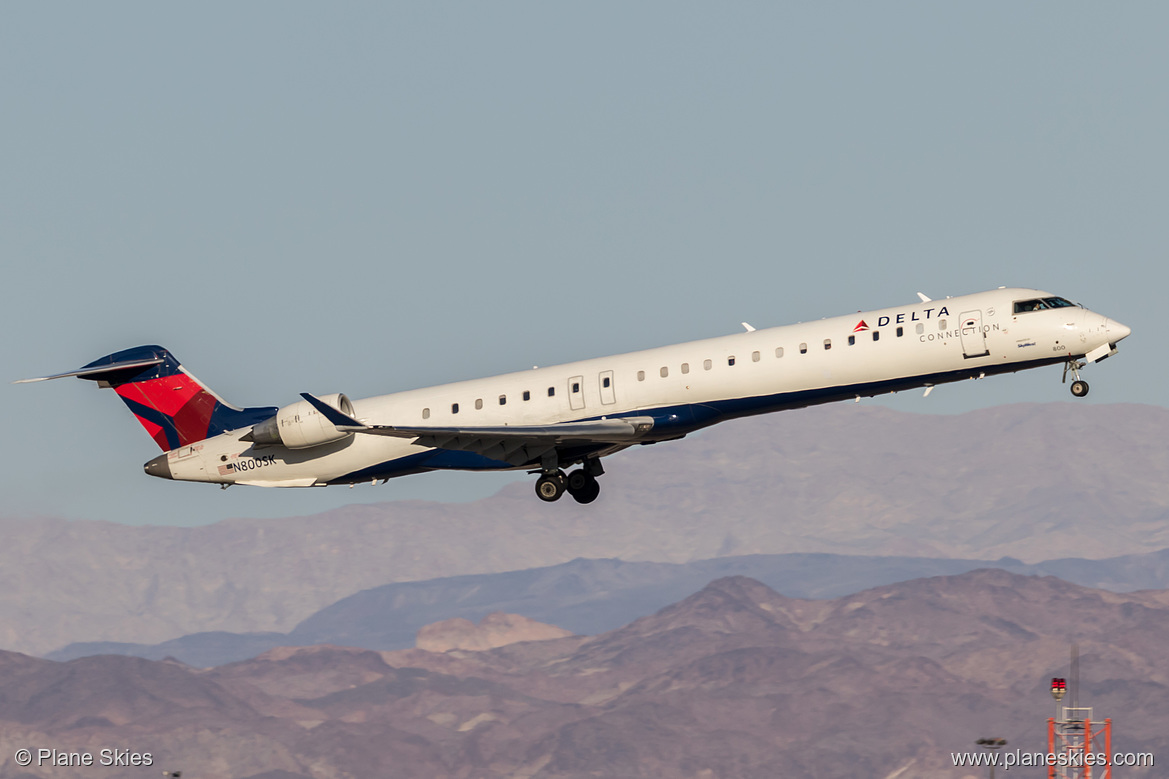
(174, 407)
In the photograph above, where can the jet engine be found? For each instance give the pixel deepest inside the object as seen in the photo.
(301, 426)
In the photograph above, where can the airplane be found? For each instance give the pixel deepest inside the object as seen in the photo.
(547, 420)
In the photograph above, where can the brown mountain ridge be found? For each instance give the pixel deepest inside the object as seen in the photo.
(734, 681)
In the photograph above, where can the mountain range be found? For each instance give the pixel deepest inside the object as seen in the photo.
(594, 596)
(733, 682)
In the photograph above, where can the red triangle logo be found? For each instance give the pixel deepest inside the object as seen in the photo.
(860, 326)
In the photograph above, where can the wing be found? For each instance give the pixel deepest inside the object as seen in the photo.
(514, 444)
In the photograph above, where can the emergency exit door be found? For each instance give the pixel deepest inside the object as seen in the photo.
(576, 393)
(608, 392)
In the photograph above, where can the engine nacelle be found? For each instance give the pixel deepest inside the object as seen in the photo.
(300, 426)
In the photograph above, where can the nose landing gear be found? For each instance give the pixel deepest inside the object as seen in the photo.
(1079, 386)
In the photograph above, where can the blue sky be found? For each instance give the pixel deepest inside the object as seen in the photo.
(372, 197)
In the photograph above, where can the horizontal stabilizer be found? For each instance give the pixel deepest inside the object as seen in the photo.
(92, 371)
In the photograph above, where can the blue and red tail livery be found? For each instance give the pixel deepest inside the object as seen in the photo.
(173, 406)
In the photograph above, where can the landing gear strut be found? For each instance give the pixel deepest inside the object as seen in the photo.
(1079, 386)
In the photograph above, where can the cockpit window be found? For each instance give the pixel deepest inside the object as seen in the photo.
(1041, 304)
(1023, 306)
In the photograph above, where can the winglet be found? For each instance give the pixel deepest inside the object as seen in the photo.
(339, 419)
(747, 327)
(924, 299)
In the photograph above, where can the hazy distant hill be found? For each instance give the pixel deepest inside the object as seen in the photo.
(593, 596)
(1029, 481)
(734, 681)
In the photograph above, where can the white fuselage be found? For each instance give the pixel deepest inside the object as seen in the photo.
(683, 387)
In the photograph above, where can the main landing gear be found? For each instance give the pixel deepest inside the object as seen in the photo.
(1079, 386)
(581, 484)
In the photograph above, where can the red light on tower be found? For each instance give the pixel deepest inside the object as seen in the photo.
(1059, 688)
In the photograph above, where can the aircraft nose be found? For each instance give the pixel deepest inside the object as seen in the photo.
(158, 467)
(1116, 330)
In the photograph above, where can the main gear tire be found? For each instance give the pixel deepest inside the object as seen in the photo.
(551, 487)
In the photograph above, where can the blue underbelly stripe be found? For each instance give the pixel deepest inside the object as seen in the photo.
(678, 420)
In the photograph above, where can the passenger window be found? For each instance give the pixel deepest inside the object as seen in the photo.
(730, 361)
(454, 408)
(900, 331)
(607, 381)
(641, 375)
(706, 365)
(426, 413)
(503, 400)
(876, 335)
(575, 387)
(803, 348)
(920, 328)
(551, 392)
(664, 371)
(827, 344)
(478, 403)
(941, 324)
(527, 395)
(779, 351)
(852, 340)
(754, 356)
(685, 367)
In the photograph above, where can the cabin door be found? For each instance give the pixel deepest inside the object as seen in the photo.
(576, 393)
(973, 336)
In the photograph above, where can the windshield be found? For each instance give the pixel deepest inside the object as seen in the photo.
(1041, 304)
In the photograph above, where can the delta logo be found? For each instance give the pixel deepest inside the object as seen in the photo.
(861, 326)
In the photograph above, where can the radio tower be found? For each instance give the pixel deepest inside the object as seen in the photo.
(1077, 751)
